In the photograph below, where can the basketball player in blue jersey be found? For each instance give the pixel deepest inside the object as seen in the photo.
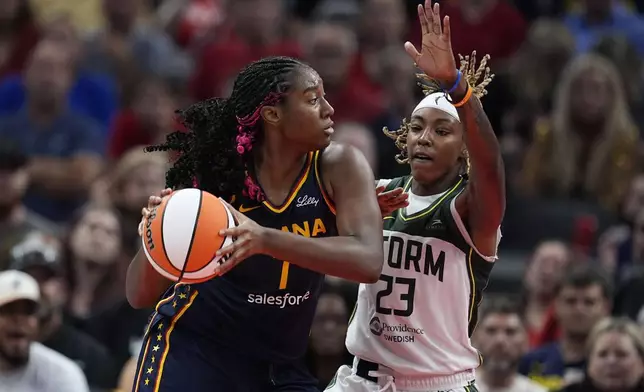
(306, 208)
(411, 330)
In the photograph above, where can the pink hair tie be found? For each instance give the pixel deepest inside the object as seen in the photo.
(252, 190)
(243, 140)
(251, 119)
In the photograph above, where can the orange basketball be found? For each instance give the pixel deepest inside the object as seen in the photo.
(181, 235)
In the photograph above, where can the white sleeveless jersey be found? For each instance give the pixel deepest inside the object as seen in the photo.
(418, 318)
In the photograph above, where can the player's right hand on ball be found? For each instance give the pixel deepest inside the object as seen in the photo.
(153, 201)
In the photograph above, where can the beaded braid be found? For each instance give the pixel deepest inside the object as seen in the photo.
(216, 153)
(471, 74)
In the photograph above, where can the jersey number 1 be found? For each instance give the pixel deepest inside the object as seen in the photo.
(284, 275)
(407, 298)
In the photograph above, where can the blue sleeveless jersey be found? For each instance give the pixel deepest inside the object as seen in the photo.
(263, 307)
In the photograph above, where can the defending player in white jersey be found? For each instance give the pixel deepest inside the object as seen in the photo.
(411, 330)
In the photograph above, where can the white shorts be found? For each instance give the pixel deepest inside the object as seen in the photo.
(347, 380)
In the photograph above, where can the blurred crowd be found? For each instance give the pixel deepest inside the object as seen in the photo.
(85, 84)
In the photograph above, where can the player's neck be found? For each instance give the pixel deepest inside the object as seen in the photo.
(440, 185)
(496, 379)
(277, 166)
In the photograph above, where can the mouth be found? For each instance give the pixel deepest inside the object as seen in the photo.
(17, 337)
(328, 130)
(422, 157)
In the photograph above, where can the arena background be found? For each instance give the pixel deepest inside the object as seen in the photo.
(85, 84)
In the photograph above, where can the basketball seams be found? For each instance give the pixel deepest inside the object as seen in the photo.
(188, 233)
(165, 251)
(158, 251)
(207, 240)
(157, 267)
(193, 235)
(212, 263)
(180, 221)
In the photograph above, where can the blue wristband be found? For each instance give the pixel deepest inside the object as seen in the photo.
(455, 86)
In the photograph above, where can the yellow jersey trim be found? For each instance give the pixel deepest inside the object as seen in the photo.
(318, 178)
(167, 340)
(294, 190)
(432, 207)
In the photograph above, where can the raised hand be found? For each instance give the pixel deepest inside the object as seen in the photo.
(435, 58)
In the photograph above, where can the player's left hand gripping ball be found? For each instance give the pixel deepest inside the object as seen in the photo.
(248, 241)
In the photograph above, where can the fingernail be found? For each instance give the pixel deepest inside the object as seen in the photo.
(222, 232)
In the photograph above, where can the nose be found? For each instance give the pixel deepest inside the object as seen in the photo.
(611, 360)
(498, 340)
(425, 137)
(327, 109)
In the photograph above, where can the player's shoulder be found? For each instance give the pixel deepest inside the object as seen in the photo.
(397, 182)
(341, 162)
(339, 153)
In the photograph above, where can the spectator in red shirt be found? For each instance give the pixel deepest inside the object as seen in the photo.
(543, 275)
(191, 20)
(149, 119)
(254, 30)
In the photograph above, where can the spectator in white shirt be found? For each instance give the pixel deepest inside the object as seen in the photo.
(26, 365)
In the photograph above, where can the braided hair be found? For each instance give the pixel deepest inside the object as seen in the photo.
(471, 74)
(216, 153)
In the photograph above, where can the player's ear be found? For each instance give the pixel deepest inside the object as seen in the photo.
(271, 114)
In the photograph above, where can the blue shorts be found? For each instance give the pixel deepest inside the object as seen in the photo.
(173, 361)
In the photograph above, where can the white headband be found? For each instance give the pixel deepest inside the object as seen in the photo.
(438, 101)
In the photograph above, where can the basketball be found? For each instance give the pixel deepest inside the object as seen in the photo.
(181, 235)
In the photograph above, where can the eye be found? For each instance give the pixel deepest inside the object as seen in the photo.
(415, 128)
(314, 101)
(442, 132)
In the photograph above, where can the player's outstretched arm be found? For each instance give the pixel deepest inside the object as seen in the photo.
(483, 202)
(143, 285)
(355, 254)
